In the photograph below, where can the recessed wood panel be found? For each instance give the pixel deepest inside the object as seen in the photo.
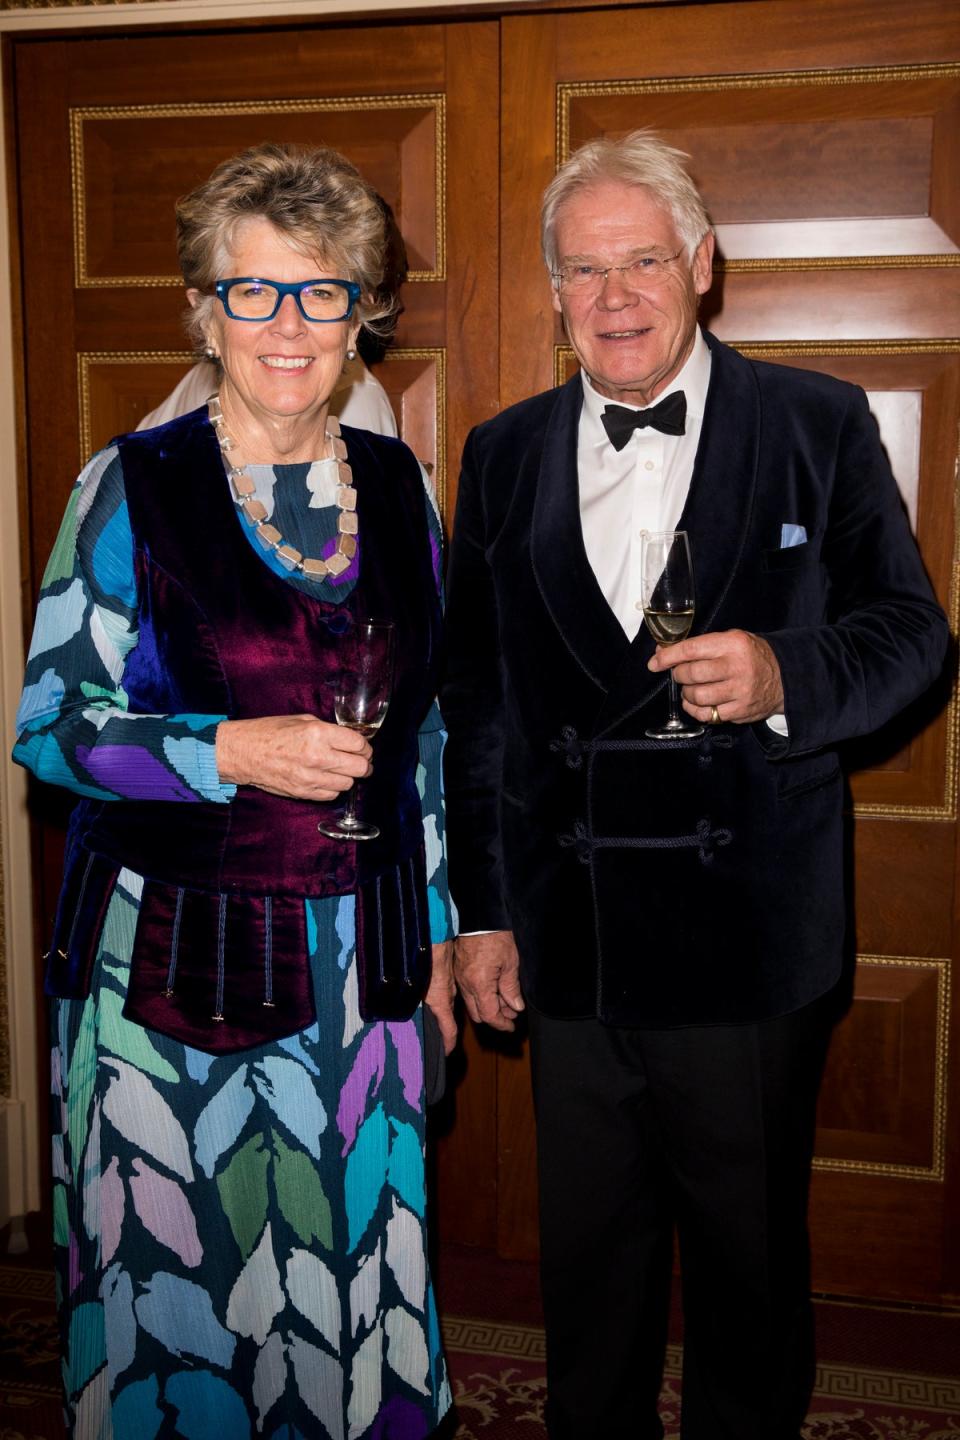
(883, 1105)
(416, 382)
(860, 147)
(903, 884)
(131, 163)
(117, 390)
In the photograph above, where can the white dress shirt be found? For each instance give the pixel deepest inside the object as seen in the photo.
(644, 486)
(641, 487)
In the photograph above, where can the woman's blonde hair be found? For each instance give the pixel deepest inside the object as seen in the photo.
(316, 198)
(640, 158)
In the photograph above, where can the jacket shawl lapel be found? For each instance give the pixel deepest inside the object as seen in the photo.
(564, 575)
(716, 517)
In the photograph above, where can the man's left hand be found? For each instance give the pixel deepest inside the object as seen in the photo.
(730, 671)
(441, 992)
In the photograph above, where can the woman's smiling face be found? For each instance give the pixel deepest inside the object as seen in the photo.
(283, 369)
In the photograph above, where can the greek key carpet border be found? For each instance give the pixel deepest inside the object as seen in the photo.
(847, 1382)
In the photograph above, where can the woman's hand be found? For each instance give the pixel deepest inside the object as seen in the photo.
(294, 755)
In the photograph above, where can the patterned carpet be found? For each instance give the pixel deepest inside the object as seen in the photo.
(497, 1370)
(498, 1385)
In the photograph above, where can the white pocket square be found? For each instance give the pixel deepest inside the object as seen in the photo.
(791, 535)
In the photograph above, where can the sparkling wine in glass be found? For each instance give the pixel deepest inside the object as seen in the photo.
(360, 703)
(666, 592)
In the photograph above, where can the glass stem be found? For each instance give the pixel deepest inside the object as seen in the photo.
(350, 809)
(673, 692)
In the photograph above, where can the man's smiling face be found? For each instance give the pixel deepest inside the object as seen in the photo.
(631, 337)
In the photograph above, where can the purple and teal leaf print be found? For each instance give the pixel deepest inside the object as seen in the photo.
(179, 1313)
(364, 1079)
(130, 1042)
(136, 1410)
(59, 618)
(405, 1172)
(221, 1121)
(366, 1383)
(165, 1212)
(269, 1375)
(319, 1380)
(90, 1405)
(405, 1255)
(366, 1173)
(399, 1420)
(409, 1062)
(312, 1288)
(242, 1188)
(42, 754)
(407, 1348)
(300, 1195)
(192, 759)
(205, 1406)
(136, 1108)
(290, 1093)
(257, 1298)
(132, 772)
(365, 1292)
(60, 564)
(112, 1207)
(86, 1342)
(120, 1322)
(41, 698)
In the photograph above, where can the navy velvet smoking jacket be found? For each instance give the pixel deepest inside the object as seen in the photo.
(691, 882)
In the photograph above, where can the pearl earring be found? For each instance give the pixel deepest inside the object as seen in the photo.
(211, 354)
(351, 354)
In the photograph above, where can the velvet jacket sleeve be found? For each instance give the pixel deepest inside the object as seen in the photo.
(473, 704)
(74, 726)
(884, 637)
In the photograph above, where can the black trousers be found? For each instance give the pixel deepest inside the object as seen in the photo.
(709, 1129)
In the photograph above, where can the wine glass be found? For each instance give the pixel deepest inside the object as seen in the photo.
(360, 703)
(666, 593)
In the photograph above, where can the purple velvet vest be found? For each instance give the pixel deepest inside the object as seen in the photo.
(220, 956)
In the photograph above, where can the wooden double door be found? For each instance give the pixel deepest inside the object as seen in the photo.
(822, 133)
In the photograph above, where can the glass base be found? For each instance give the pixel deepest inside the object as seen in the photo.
(344, 829)
(674, 730)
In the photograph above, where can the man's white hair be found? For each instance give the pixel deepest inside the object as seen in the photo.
(640, 158)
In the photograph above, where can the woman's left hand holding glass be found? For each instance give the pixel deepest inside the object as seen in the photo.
(294, 755)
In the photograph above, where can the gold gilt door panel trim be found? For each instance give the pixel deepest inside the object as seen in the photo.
(432, 103)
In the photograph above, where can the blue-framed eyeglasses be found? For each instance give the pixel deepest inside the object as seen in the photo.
(245, 297)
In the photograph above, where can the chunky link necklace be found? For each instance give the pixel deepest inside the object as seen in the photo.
(255, 513)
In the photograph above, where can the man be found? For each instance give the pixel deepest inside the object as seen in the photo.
(671, 912)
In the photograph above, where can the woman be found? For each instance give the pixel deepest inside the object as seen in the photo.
(238, 1056)
(358, 398)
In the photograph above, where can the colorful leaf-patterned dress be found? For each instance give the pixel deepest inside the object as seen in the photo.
(241, 1238)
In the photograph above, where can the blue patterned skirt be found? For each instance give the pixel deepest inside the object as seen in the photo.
(241, 1239)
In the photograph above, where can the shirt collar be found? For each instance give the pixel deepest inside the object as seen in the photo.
(693, 379)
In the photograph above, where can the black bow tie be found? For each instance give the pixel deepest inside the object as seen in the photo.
(668, 416)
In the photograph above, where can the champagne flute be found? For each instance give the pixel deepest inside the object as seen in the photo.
(360, 703)
(666, 593)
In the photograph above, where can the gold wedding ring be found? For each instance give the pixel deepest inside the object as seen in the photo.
(714, 715)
